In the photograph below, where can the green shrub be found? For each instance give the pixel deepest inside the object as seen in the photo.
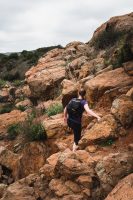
(32, 129)
(13, 130)
(108, 142)
(106, 38)
(18, 82)
(54, 109)
(6, 108)
(36, 132)
(2, 83)
(124, 54)
(21, 107)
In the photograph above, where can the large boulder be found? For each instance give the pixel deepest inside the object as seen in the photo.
(105, 129)
(33, 158)
(123, 190)
(97, 86)
(122, 109)
(44, 79)
(61, 188)
(71, 166)
(112, 168)
(55, 126)
(69, 91)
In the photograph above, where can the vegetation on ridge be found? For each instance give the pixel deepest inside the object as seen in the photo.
(11, 65)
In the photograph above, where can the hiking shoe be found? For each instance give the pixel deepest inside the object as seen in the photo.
(75, 147)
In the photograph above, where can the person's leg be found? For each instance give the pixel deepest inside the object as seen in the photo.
(77, 135)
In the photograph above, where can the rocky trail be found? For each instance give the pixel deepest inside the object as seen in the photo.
(36, 158)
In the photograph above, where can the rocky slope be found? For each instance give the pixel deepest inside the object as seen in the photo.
(14, 65)
(36, 161)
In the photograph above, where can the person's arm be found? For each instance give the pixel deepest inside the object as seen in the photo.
(65, 114)
(90, 112)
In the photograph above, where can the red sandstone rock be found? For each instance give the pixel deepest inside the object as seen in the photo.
(8, 119)
(106, 128)
(122, 109)
(55, 126)
(112, 168)
(123, 190)
(69, 91)
(97, 86)
(33, 158)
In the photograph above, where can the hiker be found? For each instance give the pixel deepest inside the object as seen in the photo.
(73, 115)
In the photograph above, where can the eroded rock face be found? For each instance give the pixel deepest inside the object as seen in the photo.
(120, 23)
(112, 168)
(68, 175)
(97, 86)
(122, 109)
(45, 78)
(91, 67)
(55, 126)
(33, 158)
(11, 161)
(105, 129)
(17, 191)
(123, 190)
(69, 91)
(71, 165)
(8, 119)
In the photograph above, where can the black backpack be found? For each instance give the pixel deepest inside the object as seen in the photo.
(74, 108)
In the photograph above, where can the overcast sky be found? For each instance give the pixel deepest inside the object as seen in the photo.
(30, 24)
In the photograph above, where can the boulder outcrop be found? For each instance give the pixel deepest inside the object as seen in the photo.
(55, 126)
(122, 109)
(69, 91)
(33, 158)
(97, 86)
(105, 129)
(44, 79)
(123, 190)
(112, 168)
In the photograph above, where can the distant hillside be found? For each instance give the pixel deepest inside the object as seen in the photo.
(14, 65)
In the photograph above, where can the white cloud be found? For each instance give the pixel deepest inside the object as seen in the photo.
(30, 24)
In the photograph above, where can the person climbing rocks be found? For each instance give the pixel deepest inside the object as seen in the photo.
(73, 115)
